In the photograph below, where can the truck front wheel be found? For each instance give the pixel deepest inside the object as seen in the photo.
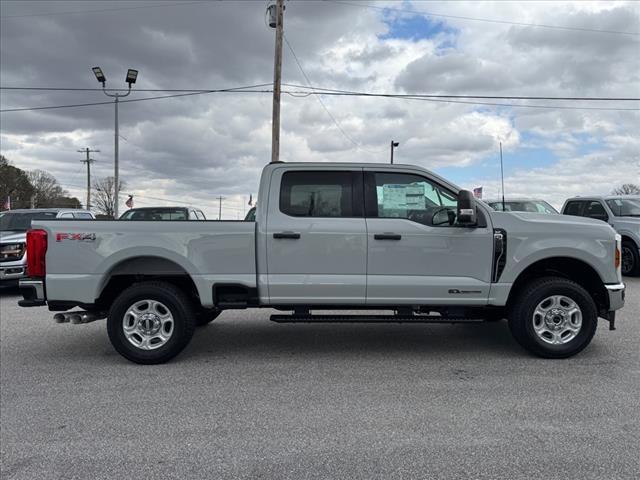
(151, 322)
(630, 259)
(553, 317)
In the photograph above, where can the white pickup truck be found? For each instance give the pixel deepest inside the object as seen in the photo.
(394, 239)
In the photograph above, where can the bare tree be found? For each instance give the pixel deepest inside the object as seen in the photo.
(627, 189)
(46, 188)
(104, 195)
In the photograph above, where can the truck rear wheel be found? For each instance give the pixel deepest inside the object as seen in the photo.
(553, 317)
(151, 322)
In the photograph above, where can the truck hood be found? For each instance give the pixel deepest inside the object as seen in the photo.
(11, 236)
(502, 219)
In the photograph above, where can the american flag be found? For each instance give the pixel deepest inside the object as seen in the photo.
(7, 204)
(129, 202)
(477, 192)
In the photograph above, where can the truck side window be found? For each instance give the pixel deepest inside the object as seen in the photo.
(317, 194)
(404, 195)
(596, 210)
(573, 208)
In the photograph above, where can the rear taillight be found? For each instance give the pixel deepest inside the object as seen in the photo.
(36, 251)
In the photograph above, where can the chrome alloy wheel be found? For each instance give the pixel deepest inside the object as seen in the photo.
(557, 320)
(148, 324)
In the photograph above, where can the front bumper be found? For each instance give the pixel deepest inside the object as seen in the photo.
(12, 271)
(32, 291)
(616, 296)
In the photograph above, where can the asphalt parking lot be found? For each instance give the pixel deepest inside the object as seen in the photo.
(254, 399)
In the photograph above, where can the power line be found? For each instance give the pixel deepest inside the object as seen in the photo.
(489, 20)
(103, 10)
(249, 89)
(328, 92)
(320, 89)
(492, 97)
(430, 98)
(319, 98)
(184, 90)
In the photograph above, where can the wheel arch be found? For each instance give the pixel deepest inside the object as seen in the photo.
(629, 238)
(141, 268)
(570, 268)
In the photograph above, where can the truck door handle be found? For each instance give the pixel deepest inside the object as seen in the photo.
(291, 235)
(387, 236)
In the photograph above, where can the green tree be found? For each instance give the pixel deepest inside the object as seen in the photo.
(14, 183)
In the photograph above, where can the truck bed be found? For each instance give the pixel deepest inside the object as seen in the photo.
(82, 255)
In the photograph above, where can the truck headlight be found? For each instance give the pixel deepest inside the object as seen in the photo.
(11, 251)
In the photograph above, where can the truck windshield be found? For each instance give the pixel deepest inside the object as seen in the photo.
(21, 222)
(625, 207)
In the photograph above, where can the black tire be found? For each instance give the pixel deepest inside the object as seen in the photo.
(205, 317)
(178, 304)
(630, 259)
(521, 316)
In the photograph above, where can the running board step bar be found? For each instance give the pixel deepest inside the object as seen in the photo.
(370, 319)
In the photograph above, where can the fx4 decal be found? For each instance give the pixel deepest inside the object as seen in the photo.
(81, 237)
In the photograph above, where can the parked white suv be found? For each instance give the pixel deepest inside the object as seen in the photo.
(622, 212)
(13, 231)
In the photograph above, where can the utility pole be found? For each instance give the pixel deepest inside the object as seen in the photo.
(277, 75)
(220, 198)
(393, 145)
(88, 161)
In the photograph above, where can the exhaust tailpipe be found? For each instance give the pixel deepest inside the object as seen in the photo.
(77, 318)
(60, 318)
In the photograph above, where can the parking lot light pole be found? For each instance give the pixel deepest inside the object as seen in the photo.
(131, 78)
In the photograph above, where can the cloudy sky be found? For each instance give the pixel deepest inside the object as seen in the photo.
(193, 149)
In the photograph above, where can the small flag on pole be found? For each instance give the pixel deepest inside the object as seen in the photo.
(477, 192)
(7, 204)
(250, 199)
(129, 202)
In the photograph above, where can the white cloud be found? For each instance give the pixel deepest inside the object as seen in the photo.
(195, 148)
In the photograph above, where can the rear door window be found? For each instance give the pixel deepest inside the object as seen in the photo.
(319, 194)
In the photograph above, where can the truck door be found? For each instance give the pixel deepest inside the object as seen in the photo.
(414, 257)
(316, 237)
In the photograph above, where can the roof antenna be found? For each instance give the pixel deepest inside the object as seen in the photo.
(502, 176)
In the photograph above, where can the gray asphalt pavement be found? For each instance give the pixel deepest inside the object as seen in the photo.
(253, 399)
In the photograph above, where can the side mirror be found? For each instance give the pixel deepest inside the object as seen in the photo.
(466, 209)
